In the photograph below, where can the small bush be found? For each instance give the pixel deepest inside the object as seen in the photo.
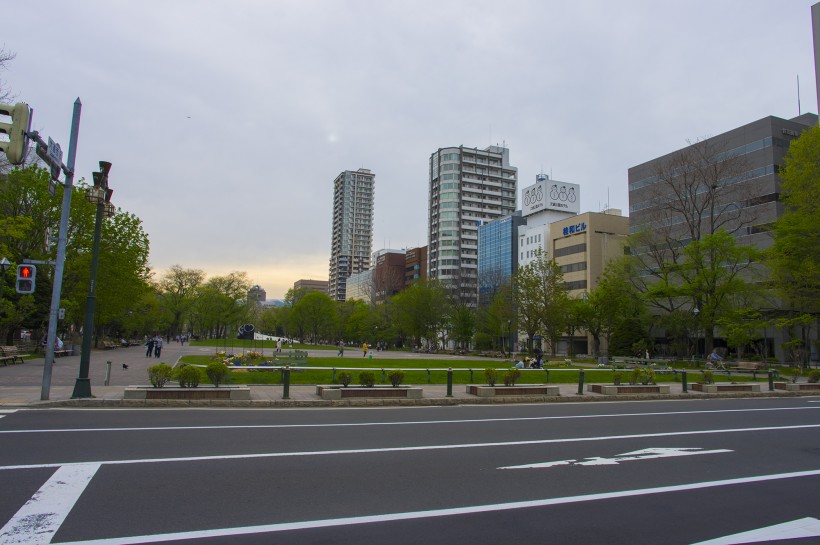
(345, 379)
(708, 377)
(491, 375)
(617, 377)
(367, 378)
(648, 376)
(635, 376)
(511, 376)
(793, 373)
(814, 376)
(396, 377)
(217, 373)
(159, 374)
(188, 376)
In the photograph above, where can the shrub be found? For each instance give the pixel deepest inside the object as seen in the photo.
(345, 378)
(491, 375)
(396, 377)
(617, 377)
(188, 376)
(367, 378)
(635, 376)
(794, 373)
(708, 377)
(159, 374)
(814, 376)
(217, 373)
(511, 376)
(648, 376)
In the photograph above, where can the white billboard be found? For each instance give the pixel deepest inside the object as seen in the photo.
(548, 194)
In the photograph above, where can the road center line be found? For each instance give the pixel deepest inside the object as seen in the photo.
(41, 516)
(414, 515)
(416, 448)
(405, 423)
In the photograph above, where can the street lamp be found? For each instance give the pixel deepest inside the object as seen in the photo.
(509, 336)
(99, 195)
(697, 331)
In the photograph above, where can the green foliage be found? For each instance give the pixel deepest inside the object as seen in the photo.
(491, 376)
(188, 376)
(635, 376)
(160, 374)
(708, 377)
(420, 310)
(511, 376)
(396, 377)
(345, 378)
(814, 376)
(541, 299)
(793, 373)
(367, 378)
(217, 373)
(617, 377)
(314, 315)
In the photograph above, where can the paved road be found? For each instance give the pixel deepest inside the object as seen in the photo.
(674, 472)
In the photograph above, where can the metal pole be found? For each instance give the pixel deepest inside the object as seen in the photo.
(62, 236)
(107, 372)
(771, 380)
(82, 387)
(450, 382)
(581, 382)
(286, 382)
(684, 381)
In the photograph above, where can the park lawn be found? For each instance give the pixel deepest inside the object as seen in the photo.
(238, 346)
(320, 371)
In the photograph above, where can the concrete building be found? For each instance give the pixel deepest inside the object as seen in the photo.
(415, 266)
(359, 286)
(582, 246)
(314, 285)
(388, 273)
(468, 187)
(542, 203)
(352, 239)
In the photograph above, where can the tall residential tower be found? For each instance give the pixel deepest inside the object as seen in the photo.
(352, 240)
(468, 187)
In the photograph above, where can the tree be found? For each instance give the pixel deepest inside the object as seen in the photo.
(541, 299)
(420, 311)
(178, 289)
(220, 305)
(794, 258)
(316, 312)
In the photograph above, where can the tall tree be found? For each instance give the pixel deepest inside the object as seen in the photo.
(794, 258)
(178, 288)
(316, 313)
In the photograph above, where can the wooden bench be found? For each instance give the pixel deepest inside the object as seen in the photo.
(60, 352)
(10, 354)
(108, 345)
(746, 367)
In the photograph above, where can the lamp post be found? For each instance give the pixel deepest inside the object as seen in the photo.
(4, 266)
(697, 332)
(99, 195)
(509, 336)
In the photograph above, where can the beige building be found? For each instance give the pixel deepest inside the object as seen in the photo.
(315, 285)
(582, 246)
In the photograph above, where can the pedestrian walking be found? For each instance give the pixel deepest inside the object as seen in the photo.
(150, 345)
(157, 346)
(364, 349)
(341, 349)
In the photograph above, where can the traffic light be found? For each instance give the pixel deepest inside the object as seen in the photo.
(17, 145)
(26, 278)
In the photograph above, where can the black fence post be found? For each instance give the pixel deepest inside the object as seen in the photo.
(450, 382)
(581, 382)
(286, 382)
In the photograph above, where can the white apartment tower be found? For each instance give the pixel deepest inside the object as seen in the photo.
(352, 240)
(468, 187)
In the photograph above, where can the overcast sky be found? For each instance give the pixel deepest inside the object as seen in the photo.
(227, 121)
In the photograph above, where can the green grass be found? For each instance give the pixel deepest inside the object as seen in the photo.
(321, 372)
(239, 345)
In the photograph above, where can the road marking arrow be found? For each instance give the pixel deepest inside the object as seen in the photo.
(796, 529)
(644, 454)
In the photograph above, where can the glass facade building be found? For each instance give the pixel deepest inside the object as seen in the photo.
(497, 254)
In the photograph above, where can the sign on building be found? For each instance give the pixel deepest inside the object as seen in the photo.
(548, 194)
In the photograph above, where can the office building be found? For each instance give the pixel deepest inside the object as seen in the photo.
(468, 187)
(497, 254)
(388, 273)
(352, 239)
(415, 266)
(542, 203)
(359, 286)
(312, 285)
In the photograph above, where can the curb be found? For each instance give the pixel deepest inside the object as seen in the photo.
(400, 402)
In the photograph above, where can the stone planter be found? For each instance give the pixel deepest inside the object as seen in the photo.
(200, 392)
(334, 391)
(797, 386)
(519, 390)
(716, 388)
(621, 389)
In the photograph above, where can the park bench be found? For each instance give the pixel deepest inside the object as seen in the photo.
(746, 367)
(10, 354)
(108, 345)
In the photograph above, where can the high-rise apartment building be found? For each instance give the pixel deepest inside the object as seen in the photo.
(352, 240)
(468, 187)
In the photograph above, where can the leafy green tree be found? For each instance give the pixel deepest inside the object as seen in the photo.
(178, 289)
(541, 299)
(794, 258)
(420, 311)
(462, 322)
(316, 313)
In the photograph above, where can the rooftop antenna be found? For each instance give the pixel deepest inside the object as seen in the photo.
(798, 95)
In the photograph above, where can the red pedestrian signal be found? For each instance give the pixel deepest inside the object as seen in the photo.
(26, 276)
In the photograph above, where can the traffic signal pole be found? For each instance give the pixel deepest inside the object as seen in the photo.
(56, 290)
